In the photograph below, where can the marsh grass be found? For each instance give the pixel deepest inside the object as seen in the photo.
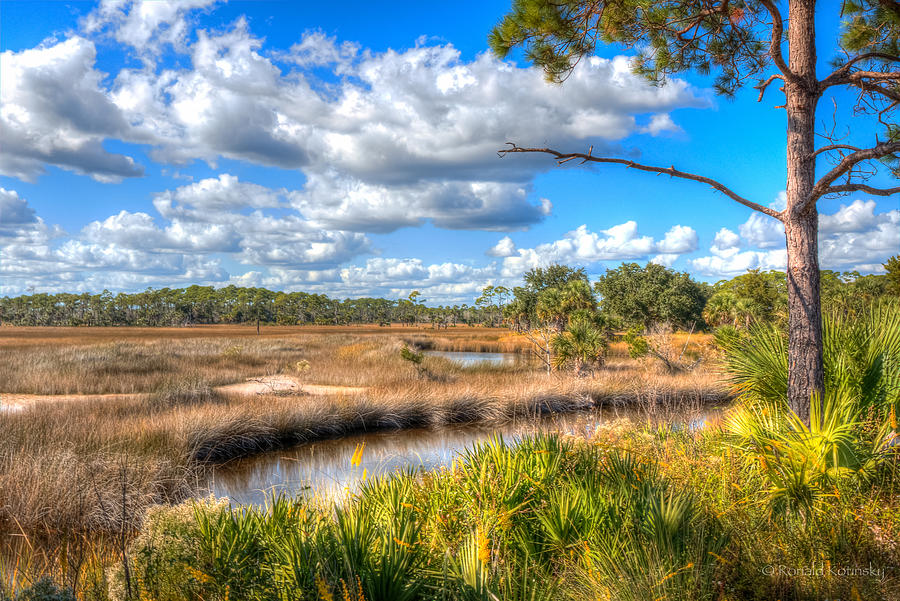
(64, 465)
(634, 513)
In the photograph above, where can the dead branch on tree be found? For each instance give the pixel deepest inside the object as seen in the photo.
(562, 157)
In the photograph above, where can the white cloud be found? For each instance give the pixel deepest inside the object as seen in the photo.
(55, 111)
(665, 259)
(504, 248)
(619, 243)
(351, 204)
(417, 125)
(726, 243)
(854, 237)
(14, 211)
(762, 231)
(209, 198)
(20, 225)
(211, 216)
(660, 123)
(145, 25)
(678, 240)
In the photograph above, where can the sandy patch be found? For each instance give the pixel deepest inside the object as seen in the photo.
(279, 385)
(13, 402)
(284, 385)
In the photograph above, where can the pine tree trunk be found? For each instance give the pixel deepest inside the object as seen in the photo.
(805, 370)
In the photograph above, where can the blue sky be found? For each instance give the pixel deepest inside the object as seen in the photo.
(350, 149)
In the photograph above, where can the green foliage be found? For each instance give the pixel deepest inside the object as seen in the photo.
(208, 305)
(556, 305)
(860, 355)
(729, 336)
(549, 294)
(504, 523)
(871, 26)
(652, 294)
(45, 590)
(754, 297)
(849, 426)
(554, 276)
(893, 275)
(582, 344)
(637, 344)
(407, 354)
(556, 35)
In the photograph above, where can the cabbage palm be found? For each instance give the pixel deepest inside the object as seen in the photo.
(582, 344)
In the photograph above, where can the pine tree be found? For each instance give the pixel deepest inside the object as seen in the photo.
(741, 41)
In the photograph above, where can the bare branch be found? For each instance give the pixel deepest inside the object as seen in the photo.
(762, 86)
(840, 75)
(831, 147)
(862, 188)
(775, 44)
(671, 171)
(867, 86)
(876, 75)
(843, 167)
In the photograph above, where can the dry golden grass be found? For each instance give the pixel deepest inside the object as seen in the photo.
(95, 464)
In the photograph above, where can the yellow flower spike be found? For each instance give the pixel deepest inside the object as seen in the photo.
(324, 593)
(357, 455)
(484, 546)
(893, 417)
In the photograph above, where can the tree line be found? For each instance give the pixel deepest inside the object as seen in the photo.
(632, 296)
(196, 305)
(627, 297)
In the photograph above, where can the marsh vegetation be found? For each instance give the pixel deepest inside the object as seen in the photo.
(99, 493)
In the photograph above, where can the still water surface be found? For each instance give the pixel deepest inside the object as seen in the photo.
(471, 359)
(325, 468)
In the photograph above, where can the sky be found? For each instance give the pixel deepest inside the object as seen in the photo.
(351, 149)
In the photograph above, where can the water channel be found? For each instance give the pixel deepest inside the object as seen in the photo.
(325, 468)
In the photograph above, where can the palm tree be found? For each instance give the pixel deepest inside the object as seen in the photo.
(582, 344)
(720, 309)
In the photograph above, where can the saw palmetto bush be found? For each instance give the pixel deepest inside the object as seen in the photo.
(852, 426)
(548, 519)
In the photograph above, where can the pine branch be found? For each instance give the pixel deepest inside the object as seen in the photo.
(670, 171)
(764, 85)
(823, 186)
(775, 44)
(831, 147)
(862, 188)
(840, 75)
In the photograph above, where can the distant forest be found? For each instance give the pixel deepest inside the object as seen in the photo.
(627, 296)
(230, 305)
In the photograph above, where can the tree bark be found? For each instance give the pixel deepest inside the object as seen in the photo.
(805, 370)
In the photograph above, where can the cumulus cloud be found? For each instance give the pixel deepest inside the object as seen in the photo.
(211, 216)
(402, 137)
(198, 222)
(726, 243)
(145, 25)
(659, 124)
(20, 225)
(55, 111)
(621, 242)
(504, 248)
(854, 237)
(351, 204)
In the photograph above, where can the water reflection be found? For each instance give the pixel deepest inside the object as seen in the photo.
(325, 468)
(470, 359)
